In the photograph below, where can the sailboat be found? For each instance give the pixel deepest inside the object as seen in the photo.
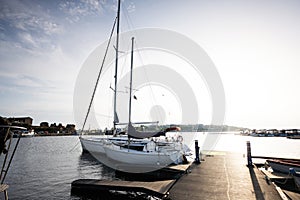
(152, 156)
(137, 151)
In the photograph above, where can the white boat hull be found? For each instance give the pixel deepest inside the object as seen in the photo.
(93, 145)
(96, 144)
(114, 152)
(155, 158)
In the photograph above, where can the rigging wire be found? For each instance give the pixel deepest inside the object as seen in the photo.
(153, 99)
(125, 60)
(100, 71)
(127, 17)
(130, 25)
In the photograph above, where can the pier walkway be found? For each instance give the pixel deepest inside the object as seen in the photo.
(223, 176)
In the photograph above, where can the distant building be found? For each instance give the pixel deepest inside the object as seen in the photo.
(3, 121)
(20, 120)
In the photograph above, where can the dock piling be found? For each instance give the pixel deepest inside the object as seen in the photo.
(249, 157)
(197, 150)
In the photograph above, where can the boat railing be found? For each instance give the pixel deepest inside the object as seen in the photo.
(6, 136)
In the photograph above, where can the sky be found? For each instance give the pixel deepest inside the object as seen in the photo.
(254, 46)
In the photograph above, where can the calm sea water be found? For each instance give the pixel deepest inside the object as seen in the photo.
(44, 167)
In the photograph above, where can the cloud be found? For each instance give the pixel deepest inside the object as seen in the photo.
(27, 16)
(28, 24)
(131, 7)
(27, 38)
(75, 10)
(21, 83)
(40, 26)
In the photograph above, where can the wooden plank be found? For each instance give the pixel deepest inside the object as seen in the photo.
(281, 193)
(292, 195)
(275, 175)
(181, 167)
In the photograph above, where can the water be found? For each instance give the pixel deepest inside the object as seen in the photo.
(44, 167)
(260, 146)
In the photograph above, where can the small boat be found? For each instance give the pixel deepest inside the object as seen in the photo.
(284, 165)
(294, 137)
(29, 133)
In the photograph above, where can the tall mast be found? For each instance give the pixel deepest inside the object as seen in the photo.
(116, 67)
(131, 68)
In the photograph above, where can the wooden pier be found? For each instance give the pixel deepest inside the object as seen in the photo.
(221, 175)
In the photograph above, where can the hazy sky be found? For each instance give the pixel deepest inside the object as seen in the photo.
(255, 46)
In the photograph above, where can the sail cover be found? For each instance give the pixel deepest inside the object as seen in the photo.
(132, 133)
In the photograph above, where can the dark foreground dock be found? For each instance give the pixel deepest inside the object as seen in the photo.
(156, 184)
(221, 175)
(154, 188)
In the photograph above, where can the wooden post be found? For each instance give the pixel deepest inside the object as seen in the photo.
(197, 150)
(249, 157)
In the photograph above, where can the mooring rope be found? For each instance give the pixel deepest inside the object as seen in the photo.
(74, 147)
